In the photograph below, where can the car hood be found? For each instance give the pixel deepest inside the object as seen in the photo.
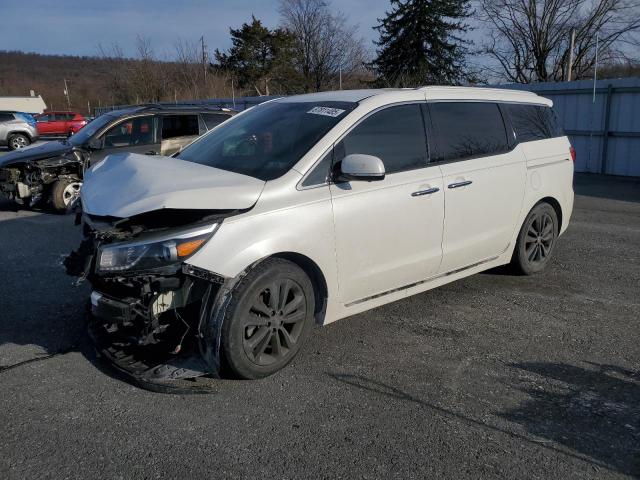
(128, 184)
(37, 152)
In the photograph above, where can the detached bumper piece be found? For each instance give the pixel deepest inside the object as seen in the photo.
(151, 372)
(156, 346)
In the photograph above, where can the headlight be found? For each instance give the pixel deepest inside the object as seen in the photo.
(153, 252)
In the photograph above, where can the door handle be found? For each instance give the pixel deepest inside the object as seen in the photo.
(460, 184)
(428, 191)
(151, 152)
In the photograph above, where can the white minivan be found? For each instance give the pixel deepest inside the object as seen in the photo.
(308, 209)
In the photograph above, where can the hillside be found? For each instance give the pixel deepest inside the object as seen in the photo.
(97, 81)
(87, 78)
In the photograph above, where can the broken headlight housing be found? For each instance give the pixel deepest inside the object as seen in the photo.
(153, 252)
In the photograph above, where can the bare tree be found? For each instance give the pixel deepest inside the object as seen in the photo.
(326, 44)
(189, 75)
(119, 81)
(530, 40)
(149, 76)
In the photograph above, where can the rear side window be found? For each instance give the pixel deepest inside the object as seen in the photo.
(396, 135)
(6, 117)
(533, 122)
(213, 119)
(466, 130)
(135, 131)
(179, 126)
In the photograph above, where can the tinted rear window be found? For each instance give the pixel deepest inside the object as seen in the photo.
(6, 117)
(179, 126)
(467, 130)
(533, 122)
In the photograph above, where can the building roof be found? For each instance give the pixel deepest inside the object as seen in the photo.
(23, 104)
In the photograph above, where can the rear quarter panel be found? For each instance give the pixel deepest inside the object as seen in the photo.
(549, 174)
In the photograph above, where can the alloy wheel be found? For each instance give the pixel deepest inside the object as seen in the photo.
(274, 322)
(18, 142)
(539, 239)
(71, 192)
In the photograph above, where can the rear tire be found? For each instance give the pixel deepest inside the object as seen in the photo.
(268, 319)
(536, 240)
(63, 192)
(18, 140)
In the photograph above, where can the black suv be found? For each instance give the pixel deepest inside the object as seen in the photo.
(54, 170)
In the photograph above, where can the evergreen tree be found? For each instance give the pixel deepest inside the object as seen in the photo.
(421, 43)
(259, 58)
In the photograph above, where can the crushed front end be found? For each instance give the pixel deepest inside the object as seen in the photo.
(152, 315)
(27, 182)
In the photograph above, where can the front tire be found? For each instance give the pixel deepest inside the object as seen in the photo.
(18, 140)
(268, 319)
(536, 240)
(63, 192)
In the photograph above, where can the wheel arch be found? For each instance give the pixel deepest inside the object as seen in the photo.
(20, 132)
(551, 200)
(318, 280)
(556, 206)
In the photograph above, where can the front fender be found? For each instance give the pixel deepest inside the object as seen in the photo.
(240, 242)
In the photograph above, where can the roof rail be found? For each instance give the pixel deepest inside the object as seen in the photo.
(171, 105)
(479, 88)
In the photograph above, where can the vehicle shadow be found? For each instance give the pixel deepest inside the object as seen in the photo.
(597, 417)
(607, 186)
(594, 411)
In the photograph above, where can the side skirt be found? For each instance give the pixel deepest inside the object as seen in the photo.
(359, 306)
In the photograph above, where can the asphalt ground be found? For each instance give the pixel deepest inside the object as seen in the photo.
(494, 376)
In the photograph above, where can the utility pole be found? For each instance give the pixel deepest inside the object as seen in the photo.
(233, 94)
(595, 71)
(573, 41)
(340, 77)
(66, 94)
(204, 57)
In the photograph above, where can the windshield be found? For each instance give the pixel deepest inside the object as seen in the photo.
(267, 141)
(90, 129)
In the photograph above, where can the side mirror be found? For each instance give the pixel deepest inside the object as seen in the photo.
(95, 144)
(358, 166)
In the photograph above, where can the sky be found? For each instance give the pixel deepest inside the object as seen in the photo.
(78, 27)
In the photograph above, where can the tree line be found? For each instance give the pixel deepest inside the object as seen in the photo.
(420, 42)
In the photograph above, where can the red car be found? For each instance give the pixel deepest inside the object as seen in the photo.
(59, 123)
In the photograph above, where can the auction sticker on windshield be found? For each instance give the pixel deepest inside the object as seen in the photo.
(326, 111)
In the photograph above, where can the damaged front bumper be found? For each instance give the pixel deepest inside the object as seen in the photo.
(156, 327)
(27, 182)
(159, 342)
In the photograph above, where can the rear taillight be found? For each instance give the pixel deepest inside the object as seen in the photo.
(572, 151)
